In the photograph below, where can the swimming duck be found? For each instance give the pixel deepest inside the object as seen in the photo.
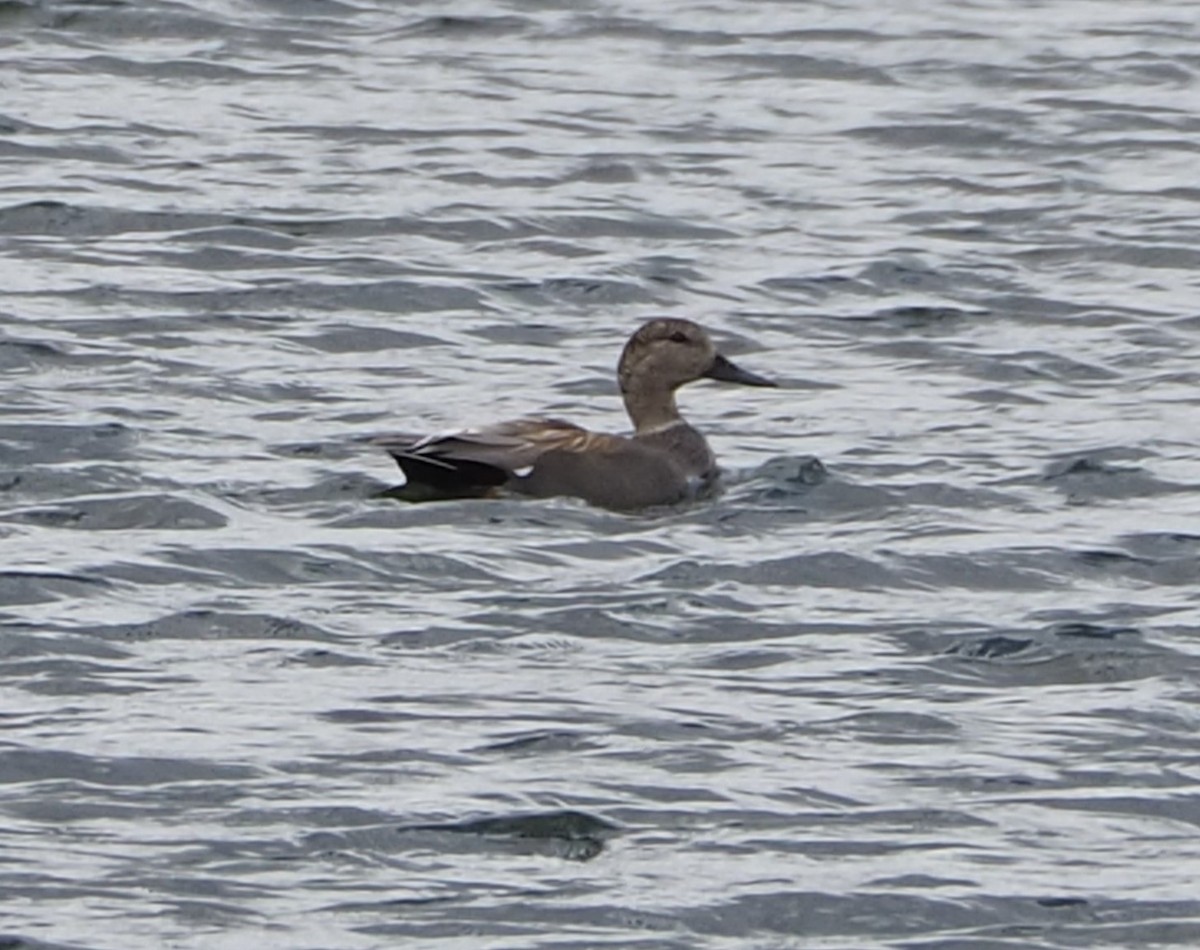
(664, 461)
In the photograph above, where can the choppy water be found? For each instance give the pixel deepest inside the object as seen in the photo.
(936, 689)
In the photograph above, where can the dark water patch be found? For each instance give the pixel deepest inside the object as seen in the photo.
(925, 882)
(1162, 546)
(554, 927)
(382, 505)
(10, 941)
(1119, 615)
(620, 613)
(391, 765)
(61, 219)
(524, 333)
(576, 621)
(390, 296)
(569, 834)
(446, 26)
(32, 587)
(1147, 255)
(917, 919)
(797, 66)
(553, 248)
(214, 260)
(366, 340)
(796, 488)
(1048, 366)
(815, 914)
(1105, 475)
(20, 641)
(583, 25)
(1100, 476)
(129, 513)
(827, 569)
(810, 289)
(483, 180)
(143, 570)
(1069, 652)
(944, 319)
(604, 170)
(907, 276)
(215, 625)
(309, 816)
(629, 225)
(747, 659)
(965, 138)
(117, 887)
(75, 677)
(424, 569)
(1048, 185)
(30, 354)
(1000, 397)
(319, 13)
(116, 21)
(348, 447)
(479, 634)
(1182, 809)
(945, 497)
(683, 748)
(428, 143)
(282, 392)
(377, 296)
(577, 291)
(158, 334)
(926, 921)
(600, 549)
(331, 565)
(1039, 310)
(447, 226)
(666, 270)
(361, 716)
(47, 443)
(97, 155)
(101, 64)
(1062, 901)
(1018, 368)
(540, 742)
(995, 647)
(1031, 569)
(320, 658)
(64, 220)
(1166, 572)
(21, 766)
(895, 728)
(236, 236)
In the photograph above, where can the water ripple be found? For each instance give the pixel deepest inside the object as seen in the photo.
(922, 672)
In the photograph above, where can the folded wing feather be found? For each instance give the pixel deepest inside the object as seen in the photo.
(512, 447)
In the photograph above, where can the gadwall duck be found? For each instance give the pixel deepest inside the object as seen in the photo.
(663, 462)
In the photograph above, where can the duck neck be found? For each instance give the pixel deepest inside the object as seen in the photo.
(650, 406)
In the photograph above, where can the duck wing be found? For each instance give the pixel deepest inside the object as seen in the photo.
(474, 462)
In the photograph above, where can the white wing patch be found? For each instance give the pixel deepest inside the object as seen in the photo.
(436, 437)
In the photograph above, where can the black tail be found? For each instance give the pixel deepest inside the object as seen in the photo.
(428, 478)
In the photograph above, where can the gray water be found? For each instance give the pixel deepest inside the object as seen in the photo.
(924, 675)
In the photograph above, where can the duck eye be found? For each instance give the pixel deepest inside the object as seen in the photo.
(678, 337)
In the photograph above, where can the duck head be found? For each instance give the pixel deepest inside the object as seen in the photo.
(666, 353)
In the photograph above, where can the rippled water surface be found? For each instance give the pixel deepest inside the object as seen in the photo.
(924, 675)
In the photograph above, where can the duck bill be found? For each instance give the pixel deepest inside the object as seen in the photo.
(728, 371)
